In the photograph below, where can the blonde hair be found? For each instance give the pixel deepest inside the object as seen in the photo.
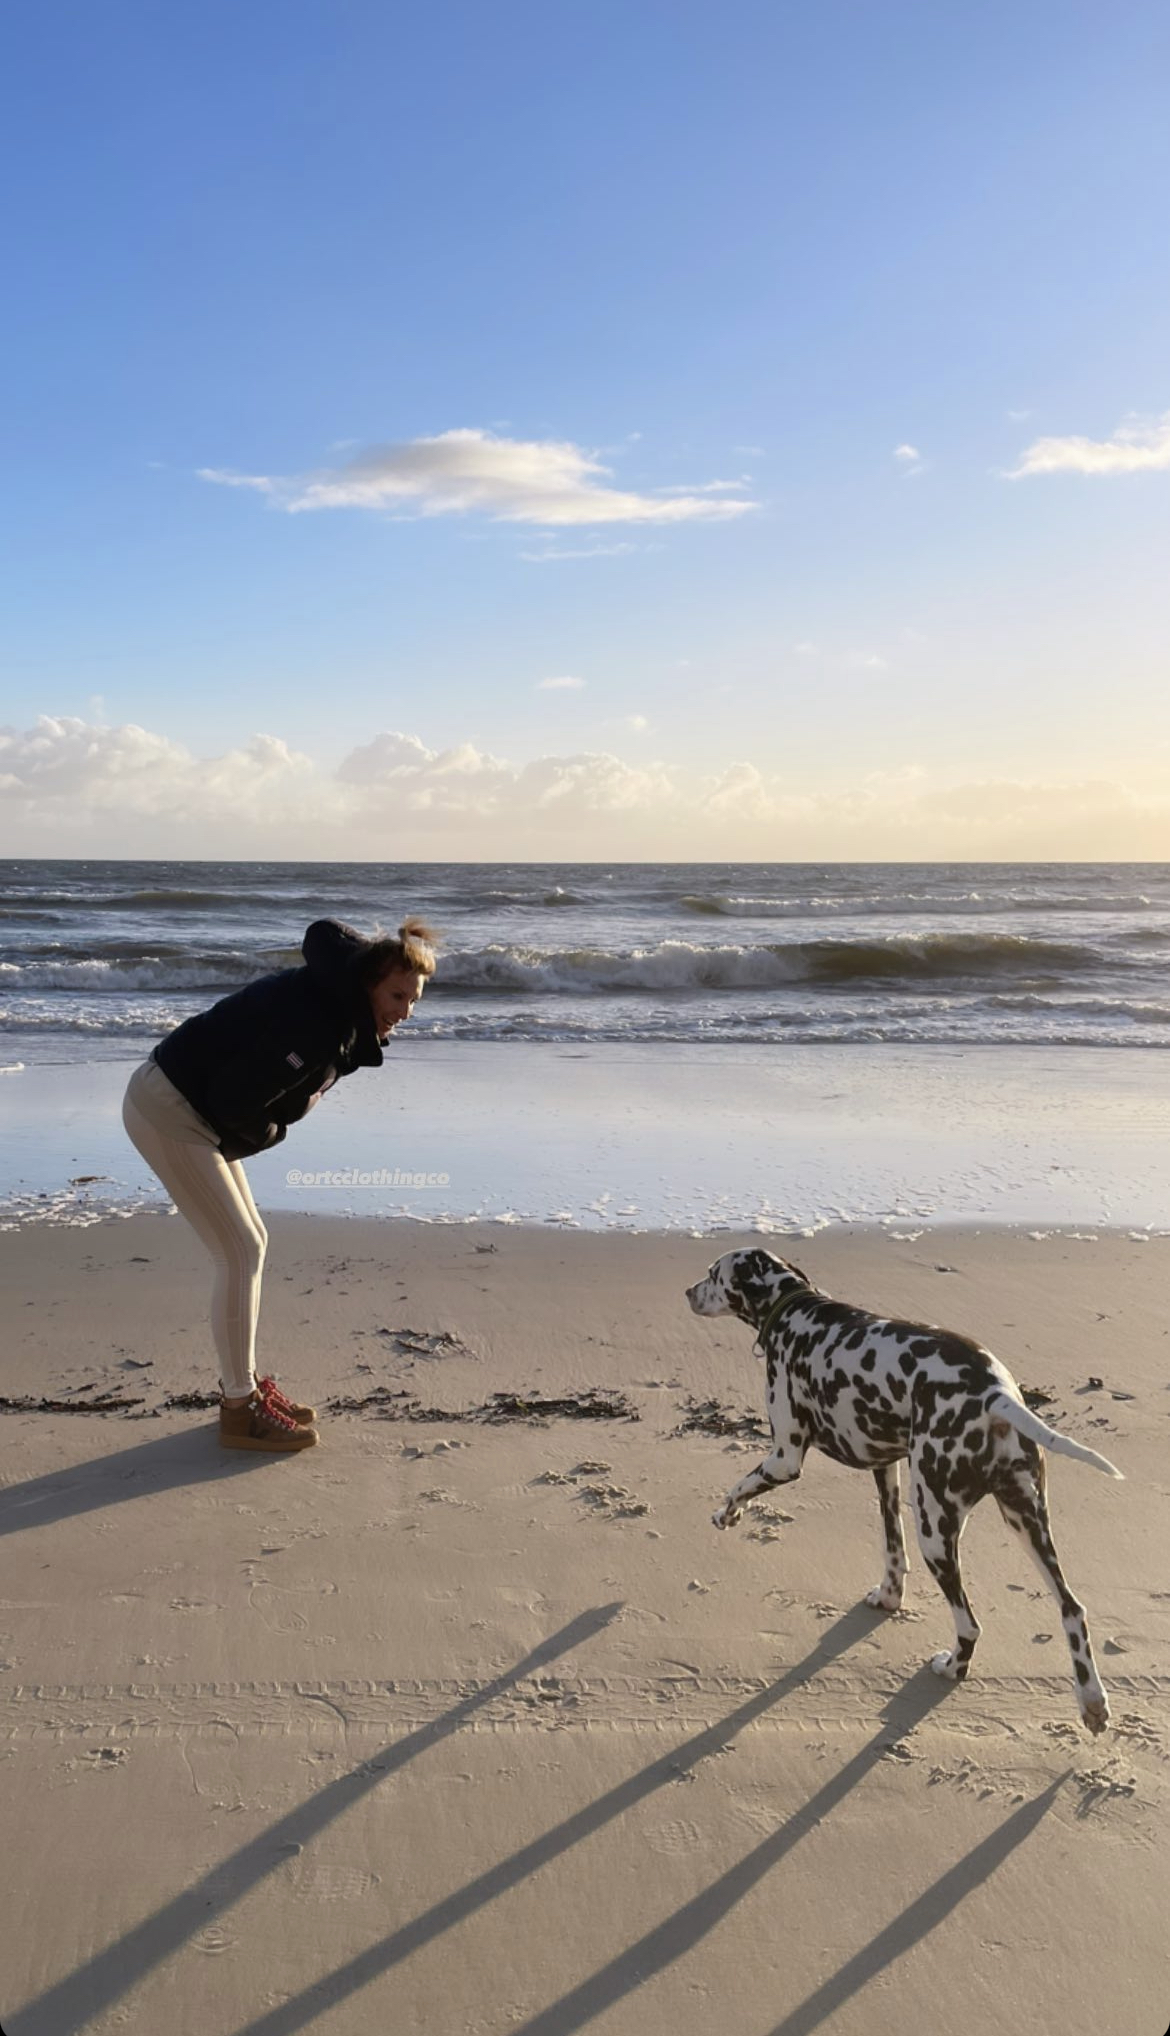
(412, 951)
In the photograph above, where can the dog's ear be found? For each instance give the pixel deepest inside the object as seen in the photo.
(755, 1263)
(755, 1275)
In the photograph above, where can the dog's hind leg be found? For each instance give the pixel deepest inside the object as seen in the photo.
(782, 1467)
(1022, 1500)
(887, 1596)
(940, 1519)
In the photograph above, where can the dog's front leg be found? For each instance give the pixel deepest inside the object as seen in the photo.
(782, 1467)
(887, 1596)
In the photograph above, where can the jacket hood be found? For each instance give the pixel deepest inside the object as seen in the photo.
(332, 951)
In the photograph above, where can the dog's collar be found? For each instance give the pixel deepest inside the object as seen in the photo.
(781, 1307)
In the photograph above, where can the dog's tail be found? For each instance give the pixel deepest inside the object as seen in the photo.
(1025, 1422)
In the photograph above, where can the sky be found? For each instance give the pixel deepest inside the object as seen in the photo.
(610, 429)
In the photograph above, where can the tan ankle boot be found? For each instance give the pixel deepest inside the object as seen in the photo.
(261, 1425)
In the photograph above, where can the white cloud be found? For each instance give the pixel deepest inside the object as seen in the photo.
(549, 482)
(738, 792)
(392, 756)
(911, 461)
(69, 787)
(710, 487)
(224, 478)
(804, 649)
(635, 721)
(564, 685)
(1139, 445)
(541, 558)
(63, 761)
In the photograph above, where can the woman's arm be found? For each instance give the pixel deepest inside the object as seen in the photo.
(245, 1092)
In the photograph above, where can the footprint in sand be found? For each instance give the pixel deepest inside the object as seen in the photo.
(211, 1755)
(525, 1600)
(755, 1812)
(325, 1883)
(679, 1836)
(274, 1605)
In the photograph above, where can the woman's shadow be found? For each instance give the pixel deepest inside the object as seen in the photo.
(184, 1458)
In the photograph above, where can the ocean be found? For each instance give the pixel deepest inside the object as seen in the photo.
(99, 959)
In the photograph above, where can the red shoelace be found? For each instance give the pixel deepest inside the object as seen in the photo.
(275, 1404)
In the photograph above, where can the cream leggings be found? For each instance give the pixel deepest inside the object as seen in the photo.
(213, 1194)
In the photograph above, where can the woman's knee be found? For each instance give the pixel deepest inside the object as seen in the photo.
(255, 1248)
(239, 1256)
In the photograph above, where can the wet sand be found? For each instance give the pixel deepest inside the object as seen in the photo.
(635, 1139)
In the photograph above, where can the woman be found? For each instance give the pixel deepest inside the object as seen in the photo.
(228, 1083)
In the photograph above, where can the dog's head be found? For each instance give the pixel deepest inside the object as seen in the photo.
(745, 1283)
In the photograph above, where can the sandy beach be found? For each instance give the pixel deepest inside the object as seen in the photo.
(468, 1721)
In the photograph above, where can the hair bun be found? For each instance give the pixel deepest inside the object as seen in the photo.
(413, 950)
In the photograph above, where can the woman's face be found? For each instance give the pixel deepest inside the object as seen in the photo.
(394, 998)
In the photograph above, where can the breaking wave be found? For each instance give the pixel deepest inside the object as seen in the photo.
(678, 965)
(721, 905)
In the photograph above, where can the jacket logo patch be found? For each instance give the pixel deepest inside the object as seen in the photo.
(294, 1060)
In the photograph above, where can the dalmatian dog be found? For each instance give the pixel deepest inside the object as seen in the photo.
(871, 1392)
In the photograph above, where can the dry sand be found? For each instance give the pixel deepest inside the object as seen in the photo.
(457, 1727)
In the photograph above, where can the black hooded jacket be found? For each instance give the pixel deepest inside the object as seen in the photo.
(256, 1062)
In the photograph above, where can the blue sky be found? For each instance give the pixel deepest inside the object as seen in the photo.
(852, 263)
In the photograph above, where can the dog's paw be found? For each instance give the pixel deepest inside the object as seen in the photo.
(1095, 1712)
(884, 1598)
(947, 1666)
(727, 1515)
